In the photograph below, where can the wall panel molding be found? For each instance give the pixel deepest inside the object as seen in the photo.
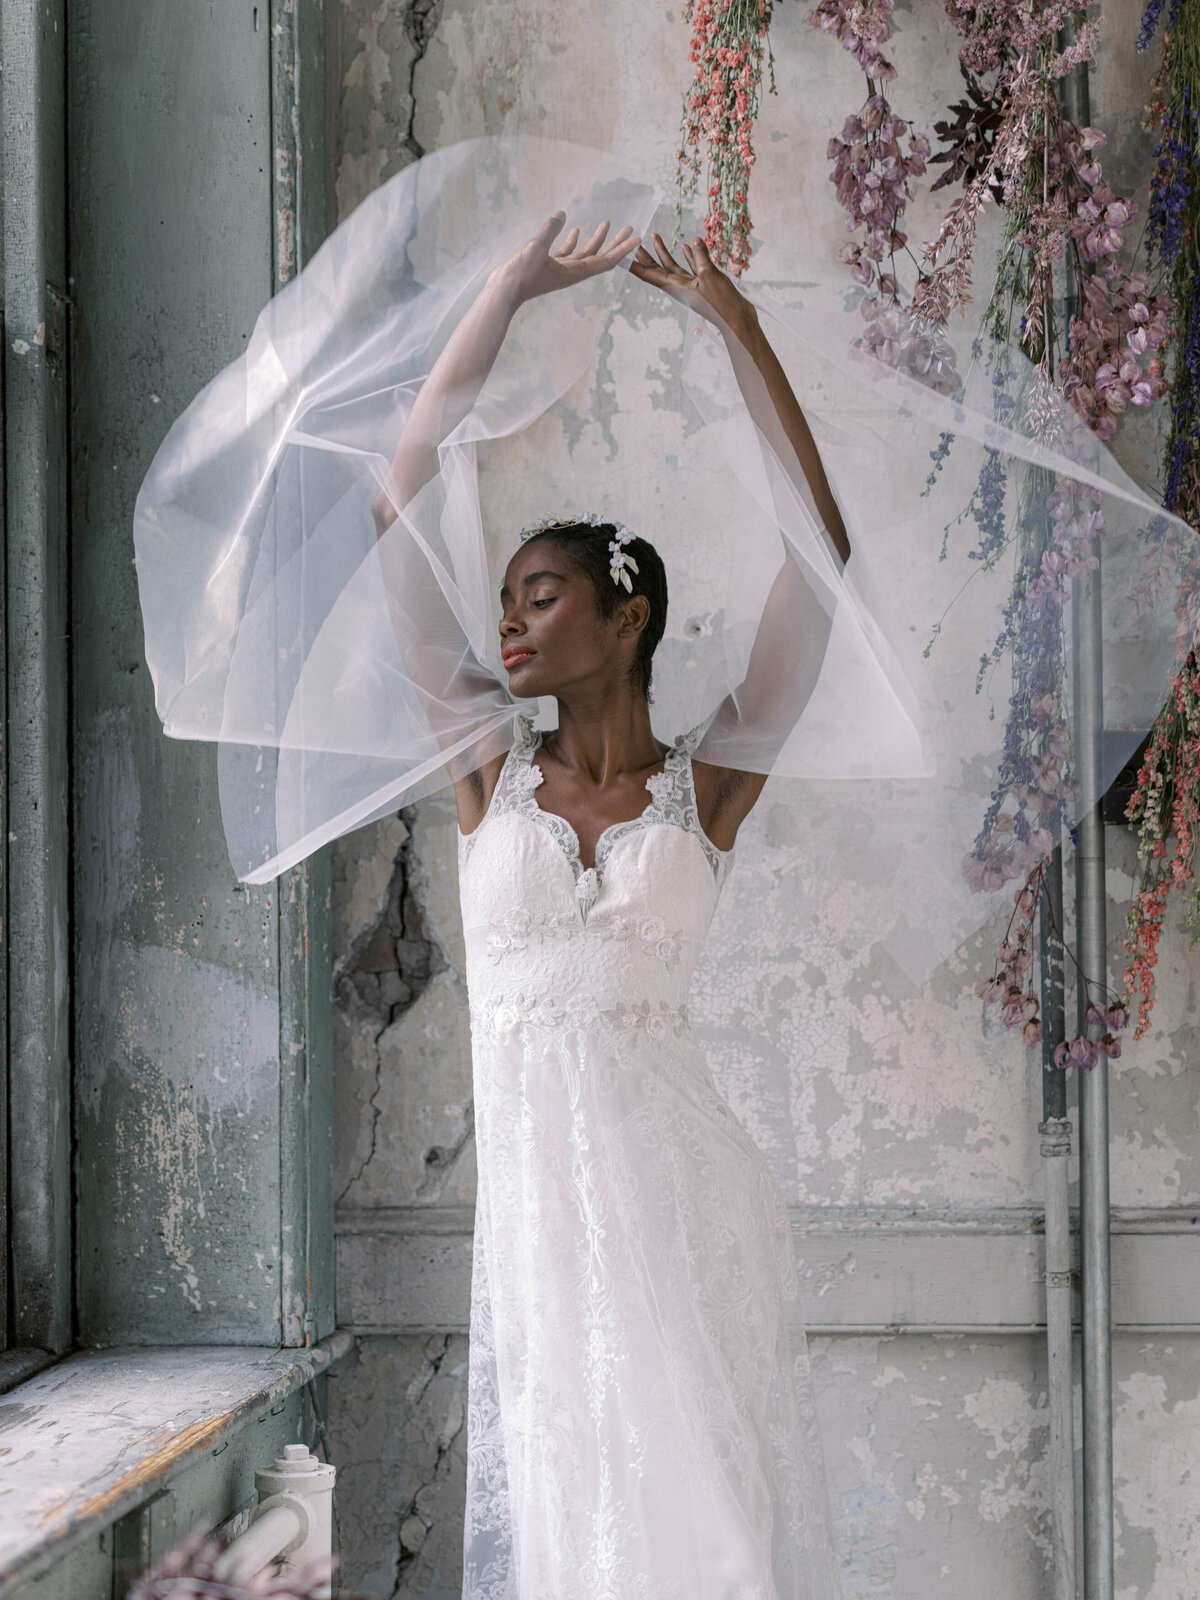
(407, 1270)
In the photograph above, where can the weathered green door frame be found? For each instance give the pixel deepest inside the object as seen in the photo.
(37, 858)
(171, 1026)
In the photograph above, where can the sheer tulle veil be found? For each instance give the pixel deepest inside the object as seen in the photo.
(281, 628)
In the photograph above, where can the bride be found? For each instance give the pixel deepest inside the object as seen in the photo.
(636, 1430)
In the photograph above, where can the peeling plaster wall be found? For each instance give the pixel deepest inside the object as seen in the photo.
(865, 1091)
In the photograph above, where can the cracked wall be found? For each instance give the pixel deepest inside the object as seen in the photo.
(864, 1090)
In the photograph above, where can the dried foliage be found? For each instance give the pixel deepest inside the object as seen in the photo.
(191, 1572)
(970, 139)
(1165, 807)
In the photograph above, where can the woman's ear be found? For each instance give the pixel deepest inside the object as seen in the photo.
(634, 615)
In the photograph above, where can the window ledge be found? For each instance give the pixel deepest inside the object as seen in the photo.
(100, 1432)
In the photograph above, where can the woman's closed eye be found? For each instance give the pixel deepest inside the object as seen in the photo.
(548, 600)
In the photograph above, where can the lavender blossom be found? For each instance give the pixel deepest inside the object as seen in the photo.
(1171, 178)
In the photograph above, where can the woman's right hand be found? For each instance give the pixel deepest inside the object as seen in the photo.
(535, 269)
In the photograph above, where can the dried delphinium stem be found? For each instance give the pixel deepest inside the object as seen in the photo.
(1165, 807)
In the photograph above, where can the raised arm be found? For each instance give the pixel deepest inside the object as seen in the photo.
(460, 371)
(457, 693)
(789, 647)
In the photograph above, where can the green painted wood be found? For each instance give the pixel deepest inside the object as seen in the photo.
(306, 1101)
(4, 1075)
(140, 1540)
(85, 1574)
(178, 1006)
(305, 910)
(36, 837)
(201, 1012)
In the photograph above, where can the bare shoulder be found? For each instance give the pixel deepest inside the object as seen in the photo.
(473, 793)
(725, 796)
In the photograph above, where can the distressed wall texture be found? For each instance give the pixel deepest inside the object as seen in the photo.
(888, 1114)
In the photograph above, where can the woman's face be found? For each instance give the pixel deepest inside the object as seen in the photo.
(552, 636)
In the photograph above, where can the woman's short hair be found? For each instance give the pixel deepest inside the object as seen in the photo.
(585, 545)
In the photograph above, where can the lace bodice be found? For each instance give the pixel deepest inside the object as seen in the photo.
(548, 938)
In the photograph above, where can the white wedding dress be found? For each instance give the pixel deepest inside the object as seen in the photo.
(635, 1428)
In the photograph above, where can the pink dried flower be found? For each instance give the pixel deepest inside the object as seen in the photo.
(861, 27)
(1119, 324)
(719, 109)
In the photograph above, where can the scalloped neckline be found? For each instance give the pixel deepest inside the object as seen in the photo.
(605, 838)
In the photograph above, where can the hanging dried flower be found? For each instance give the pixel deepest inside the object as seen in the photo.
(1165, 807)
(719, 109)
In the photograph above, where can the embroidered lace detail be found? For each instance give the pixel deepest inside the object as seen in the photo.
(657, 1020)
(672, 802)
(674, 793)
(518, 928)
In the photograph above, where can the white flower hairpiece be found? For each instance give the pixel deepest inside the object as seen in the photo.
(621, 563)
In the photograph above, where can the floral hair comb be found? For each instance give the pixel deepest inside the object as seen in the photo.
(621, 564)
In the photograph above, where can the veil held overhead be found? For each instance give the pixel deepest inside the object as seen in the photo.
(343, 674)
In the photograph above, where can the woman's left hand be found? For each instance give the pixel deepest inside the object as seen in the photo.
(701, 285)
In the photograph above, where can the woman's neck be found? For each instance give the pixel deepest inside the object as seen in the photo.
(605, 736)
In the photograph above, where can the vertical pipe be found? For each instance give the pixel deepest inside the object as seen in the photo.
(1056, 1150)
(1087, 645)
(1093, 1107)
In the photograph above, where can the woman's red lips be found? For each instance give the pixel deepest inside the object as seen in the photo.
(513, 658)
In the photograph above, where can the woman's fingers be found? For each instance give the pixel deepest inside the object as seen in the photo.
(667, 258)
(645, 265)
(593, 243)
(596, 255)
(621, 246)
(568, 243)
(617, 246)
(552, 225)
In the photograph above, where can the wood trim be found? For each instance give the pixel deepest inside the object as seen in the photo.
(407, 1270)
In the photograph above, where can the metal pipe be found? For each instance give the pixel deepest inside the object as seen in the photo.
(277, 1530)
(1056, 1151)
(1094, 1219)
(293, 1525)
(1090, 909)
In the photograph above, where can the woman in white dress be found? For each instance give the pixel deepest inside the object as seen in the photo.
(635, 1427)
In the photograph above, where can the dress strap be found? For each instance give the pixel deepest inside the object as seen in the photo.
(518, 775)
(517, 781)
(674, 793)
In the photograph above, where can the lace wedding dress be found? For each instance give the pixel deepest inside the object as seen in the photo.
(635, 1428)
